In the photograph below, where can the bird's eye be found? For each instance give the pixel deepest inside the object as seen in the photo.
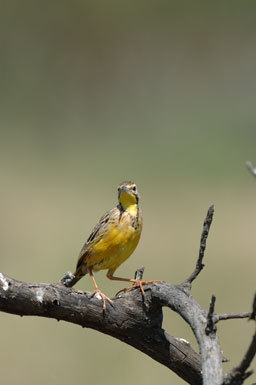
(134, 188)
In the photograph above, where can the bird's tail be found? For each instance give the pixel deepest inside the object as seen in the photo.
(70, 279)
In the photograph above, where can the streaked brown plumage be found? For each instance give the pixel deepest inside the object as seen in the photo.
(112, 240)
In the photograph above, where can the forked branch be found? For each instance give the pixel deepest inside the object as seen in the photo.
(137, 320)
(134, 320)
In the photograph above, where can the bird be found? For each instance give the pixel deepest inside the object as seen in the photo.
(111, 242)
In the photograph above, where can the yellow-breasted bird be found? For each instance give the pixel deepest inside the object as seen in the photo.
(112, 241)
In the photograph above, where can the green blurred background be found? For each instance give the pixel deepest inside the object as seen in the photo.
(93, 93)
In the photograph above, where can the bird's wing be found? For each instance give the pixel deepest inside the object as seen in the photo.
(99, 230)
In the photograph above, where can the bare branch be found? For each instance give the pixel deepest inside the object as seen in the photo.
(210, 327)
(139, 273)
(238, 374)
(251, 168)
(199, 264)
(185, 305)
(249, 355)
(224, 316)
(129, 320)
(137, 320)
(253, 315)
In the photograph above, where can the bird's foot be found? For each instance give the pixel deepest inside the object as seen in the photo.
(98, 294)
(137, 283)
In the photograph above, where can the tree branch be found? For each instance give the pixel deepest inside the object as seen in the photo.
(205, 232)
(210, 327)
(129, 320)
(251, 168)
(224, 316)
(253, 315)
(238, 374)
(137, 320)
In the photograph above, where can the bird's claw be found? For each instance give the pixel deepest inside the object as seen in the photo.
(99, 295)
(137, 283)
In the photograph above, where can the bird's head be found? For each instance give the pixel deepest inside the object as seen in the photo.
(128, 194)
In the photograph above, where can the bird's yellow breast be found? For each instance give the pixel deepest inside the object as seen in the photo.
(116, 244)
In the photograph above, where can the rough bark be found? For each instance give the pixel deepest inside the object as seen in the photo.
(133, 319)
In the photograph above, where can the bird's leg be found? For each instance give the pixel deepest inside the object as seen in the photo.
(136, 282)
(98, 291)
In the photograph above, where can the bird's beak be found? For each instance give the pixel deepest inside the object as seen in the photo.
(124, 188)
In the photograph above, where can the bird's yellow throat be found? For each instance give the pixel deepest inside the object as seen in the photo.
(129, 202)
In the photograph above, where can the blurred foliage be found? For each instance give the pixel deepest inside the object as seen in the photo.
(93, 93)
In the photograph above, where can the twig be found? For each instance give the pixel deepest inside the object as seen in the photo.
(210, 327)
(139, 273)
(199, 264)
(224, 316)
(238, 374)
(253, 315)
(249, 355)
(251, 168)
